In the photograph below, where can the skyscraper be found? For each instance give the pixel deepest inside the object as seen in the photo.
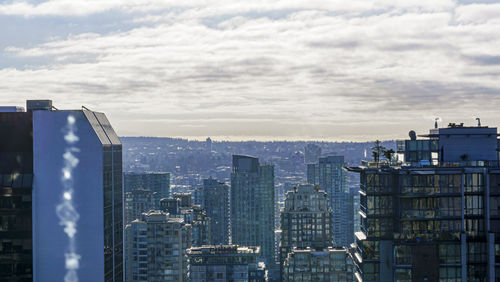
(252, 205)
(216, 203)
(77, 196)
(200, 223)
(329, 174)
(157, 182)
(61, 195)
(312, 153)
(16, 176)
(156, 248)
(305, 221)
(137, 202)
(435, 216)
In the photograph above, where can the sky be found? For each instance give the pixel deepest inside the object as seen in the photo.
(352, 70)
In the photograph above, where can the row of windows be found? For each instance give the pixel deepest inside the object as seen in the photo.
(431, 207)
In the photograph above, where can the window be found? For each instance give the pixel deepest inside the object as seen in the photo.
(403, 275)
(371, 271)
(450, 274)
(402, 255)
(449, 254)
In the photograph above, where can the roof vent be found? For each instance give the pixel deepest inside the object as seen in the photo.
(39, 105)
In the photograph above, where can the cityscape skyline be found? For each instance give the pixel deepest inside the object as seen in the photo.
(426, 208)
(239, 70)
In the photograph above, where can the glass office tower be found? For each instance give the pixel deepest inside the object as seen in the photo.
(434, 215)
(34, 153)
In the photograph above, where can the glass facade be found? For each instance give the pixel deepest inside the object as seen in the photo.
(437, 220)
(252, 205)
(16, 177)
(112, 196)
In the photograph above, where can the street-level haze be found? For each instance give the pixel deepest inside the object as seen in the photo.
(324, 70)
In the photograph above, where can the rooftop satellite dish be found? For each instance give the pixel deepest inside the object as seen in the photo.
(413, 135)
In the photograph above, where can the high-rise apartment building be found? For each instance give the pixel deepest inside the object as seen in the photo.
(200, 226)
(185, 199)
(305, 221)
(216, 203)
(137, 202)
(181, 207)
(156, 248)
(329, 174)
(61, 195)
(170, 205)
(312, 153)
(225, 263)
(434, 216)
(252, 205)
(157, 182)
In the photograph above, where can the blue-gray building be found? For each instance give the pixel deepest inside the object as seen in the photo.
(252, 205)
(157, 182)
(330, 176)
(215, 200)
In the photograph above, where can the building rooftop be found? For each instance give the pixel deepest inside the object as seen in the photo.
(453, 146)
(223, 249)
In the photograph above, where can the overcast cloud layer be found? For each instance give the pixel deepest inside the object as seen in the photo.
(336, 70)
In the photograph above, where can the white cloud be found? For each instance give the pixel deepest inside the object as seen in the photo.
(478, 13)
(292, 69)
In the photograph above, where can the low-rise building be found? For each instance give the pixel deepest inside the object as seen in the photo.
(310, 265)
(225, 263)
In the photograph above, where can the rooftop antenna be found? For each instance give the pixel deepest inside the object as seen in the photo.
(85, 108)
(478, 122)
(436, 122)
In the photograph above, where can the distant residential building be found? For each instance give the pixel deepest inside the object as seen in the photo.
(305, 221)
(137, 202)
(312, 152)
(170, 205)
(198, 196)
(225, 263)
(216, 203)
(208, 144)
(326, 265)
(201, 232)
(194, 215)
(435, 216)
(329, 174)
(186, 200)
(252, 205)
(156, 248)
(157, 182)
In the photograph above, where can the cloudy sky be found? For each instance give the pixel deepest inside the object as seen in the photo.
(315, 69)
